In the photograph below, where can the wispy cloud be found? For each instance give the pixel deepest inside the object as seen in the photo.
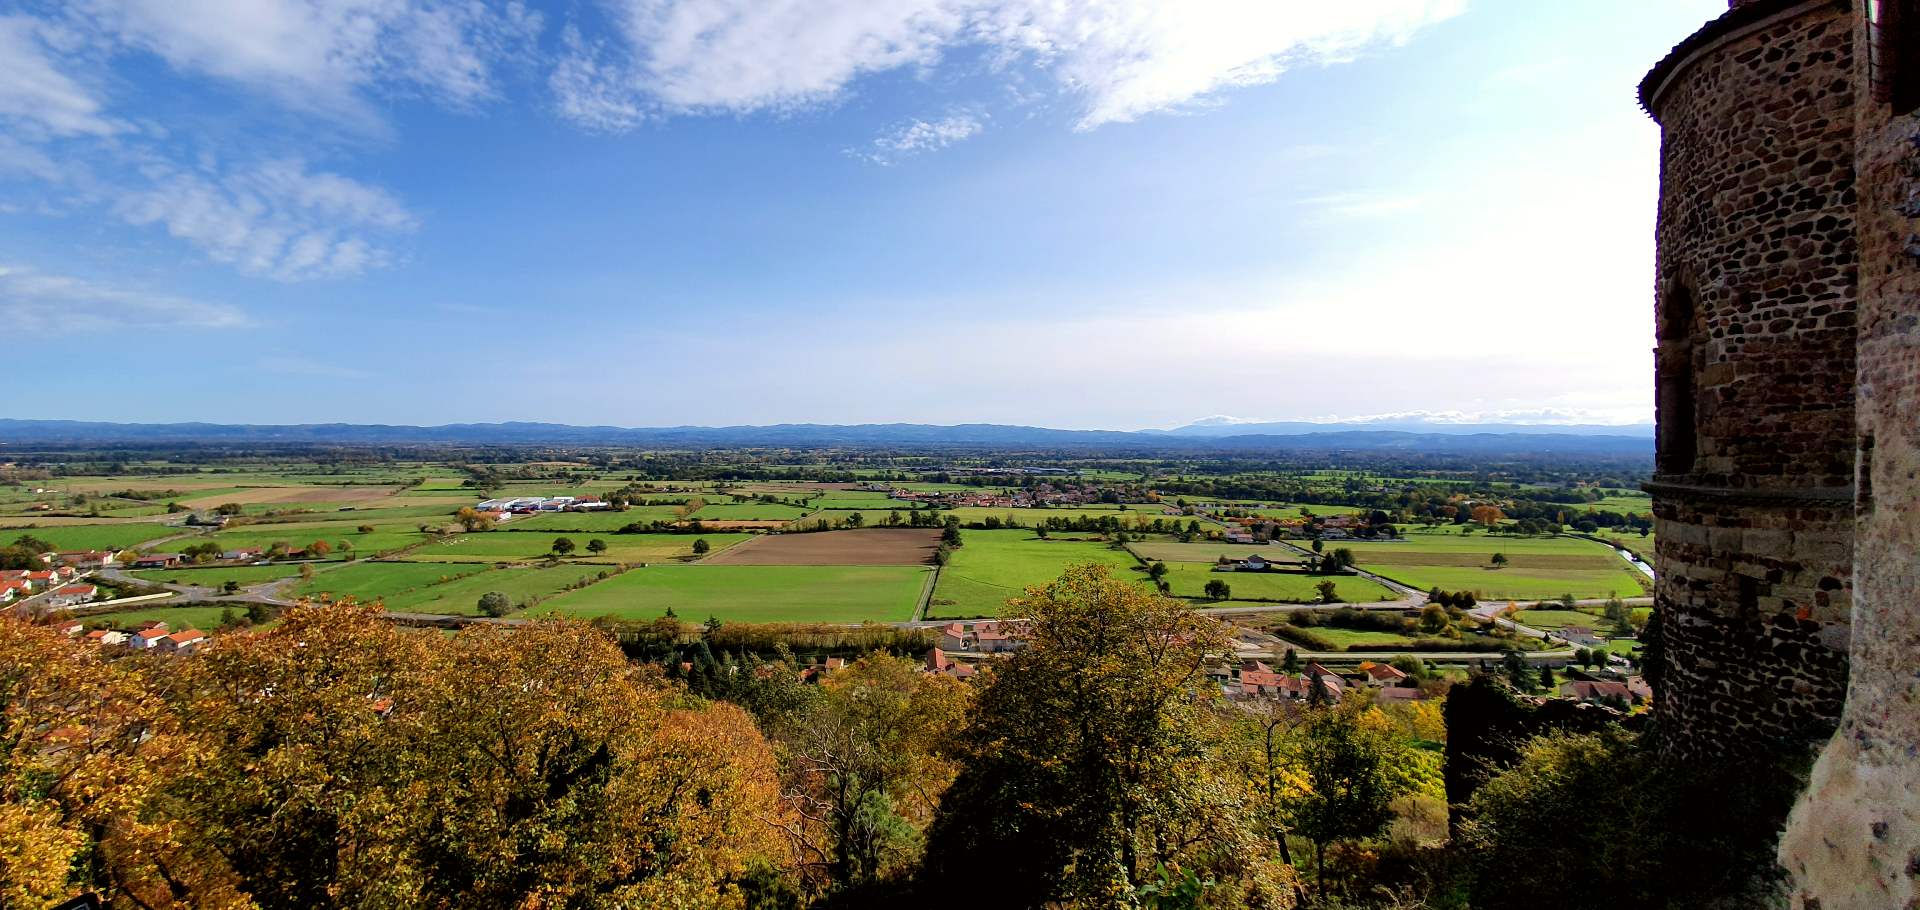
(277, 220)
(1364, 204)
(326, 56)
(34, 300)
(1119, 59)
(34, 91)
(916, 136)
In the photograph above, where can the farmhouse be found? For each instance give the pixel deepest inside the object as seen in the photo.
(1380, 675)
(147, 638)
(1595, 691)
(988, 635)
(87, 559)
(185, 641)
(939, 662)
(158, 561)
(1254, 563)
(106, 637)
(243, 553)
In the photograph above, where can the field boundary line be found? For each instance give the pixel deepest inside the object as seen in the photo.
(926, 596)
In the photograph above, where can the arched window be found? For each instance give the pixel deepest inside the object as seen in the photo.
(1893, 60)
(1677, 440)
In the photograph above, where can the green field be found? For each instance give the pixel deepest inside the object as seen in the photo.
(992, 566)
(857, 499)
(298, 534)
(603, 521)
(1034, 517)
(1361, 638)
(873, 518)
(177, 618)
(1539, 567)
(93, 537)
(216, 576)
(370, 581)
(523, 546)
(1169, 550)
(1287, 509)
(748, 511)
(462, 595)
(1189, 579)
(1559, 619)
(751, 594)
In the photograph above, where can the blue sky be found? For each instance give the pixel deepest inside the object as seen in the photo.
(1095, 213)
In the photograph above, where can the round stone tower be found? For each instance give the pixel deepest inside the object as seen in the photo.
(1756, 298)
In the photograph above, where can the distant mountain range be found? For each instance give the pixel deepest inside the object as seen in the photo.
(1409, 423)
(1237, 437)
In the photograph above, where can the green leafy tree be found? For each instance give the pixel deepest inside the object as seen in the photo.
(1216, 589)
(562, 546)
(1328, 591)
(1089, 759)
(700, 547)
(495, 603)
(1347, 754)
(1498, 560)
(596, 546)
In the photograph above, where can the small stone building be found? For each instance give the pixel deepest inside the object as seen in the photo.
(1787, 479)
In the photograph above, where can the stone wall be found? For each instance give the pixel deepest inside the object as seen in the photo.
(1756, 227)
(1854, 839)
(1756, 307)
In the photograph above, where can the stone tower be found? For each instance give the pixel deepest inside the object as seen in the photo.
(1757, 301)
(1787, 490)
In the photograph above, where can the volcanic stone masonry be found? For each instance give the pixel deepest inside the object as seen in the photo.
(1787, 485)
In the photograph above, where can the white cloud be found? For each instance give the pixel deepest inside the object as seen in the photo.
(277, 220)
(1365, 204)
(1121, 59)
(31, 300)
(325, 54)
(34, 91)
(916, 136)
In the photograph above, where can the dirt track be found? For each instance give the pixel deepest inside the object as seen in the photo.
(865, 547)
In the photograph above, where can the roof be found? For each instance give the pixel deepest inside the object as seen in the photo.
(186, 635)
(1748, 12)
(1597, 689)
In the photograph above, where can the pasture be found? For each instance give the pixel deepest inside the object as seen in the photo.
(1169, 550)
(461, 596)
(1189, 579)
(992, 566)
(371, 581)
(298, 534)
(865, 547)
(750, 594)
(526, 546)
(1028, 518)
(215, 576)
(1537, 567)
(603, 521)
(93, 537)
(178, 619)
(748, 511)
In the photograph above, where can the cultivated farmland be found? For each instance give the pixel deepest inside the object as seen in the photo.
(371, 581)
(992, 566)
(92, 537)
(866, 547)
(462, 595)
(1537, 567)
(744, 593)
(525, 546)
